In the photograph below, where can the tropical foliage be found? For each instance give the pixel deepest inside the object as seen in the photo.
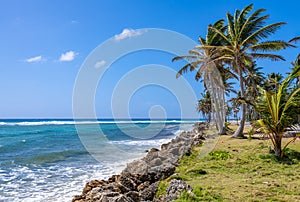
(212, 71)
(231, 48)
(279, 110)
(242, 43)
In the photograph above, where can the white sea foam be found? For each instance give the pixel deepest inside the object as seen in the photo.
(56, 183)
(150, 143)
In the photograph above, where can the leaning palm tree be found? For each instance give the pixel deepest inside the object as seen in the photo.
(279, 111)
(203, 61)
(242, 43)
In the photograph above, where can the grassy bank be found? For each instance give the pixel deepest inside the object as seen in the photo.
(240, 170)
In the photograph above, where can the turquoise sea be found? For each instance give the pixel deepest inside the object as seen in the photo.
(47, 159)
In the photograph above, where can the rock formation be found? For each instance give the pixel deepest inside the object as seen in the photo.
(140, 179)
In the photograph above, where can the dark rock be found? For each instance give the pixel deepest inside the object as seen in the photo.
(164, 146)
(113, 178)
(127, 181)
(122, 198)
(143, 185)
(133, 195)
(148, 194)
(153, 150)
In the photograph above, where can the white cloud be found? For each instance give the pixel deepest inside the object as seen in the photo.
(34, 59)
(68, 56)
(74, 22)
(99, 64)
(128, 33)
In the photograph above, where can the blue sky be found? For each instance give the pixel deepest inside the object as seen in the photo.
(44, 44)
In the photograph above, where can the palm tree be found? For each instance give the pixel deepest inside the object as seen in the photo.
(235, 104)
(297, 62)
(273, 81)
(279, 111)
(204, 106)
(241, 44)
(204, 62)
(253, 79)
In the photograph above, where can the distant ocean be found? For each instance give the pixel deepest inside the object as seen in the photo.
(44, 160)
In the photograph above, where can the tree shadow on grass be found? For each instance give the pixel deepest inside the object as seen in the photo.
(290, 157)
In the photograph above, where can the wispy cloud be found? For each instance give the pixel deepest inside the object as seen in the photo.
(100, 64)
(67, 56)
(34, 59)
(128, 33)
(74, 22)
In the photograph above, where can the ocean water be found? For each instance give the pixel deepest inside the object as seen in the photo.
(51, 160)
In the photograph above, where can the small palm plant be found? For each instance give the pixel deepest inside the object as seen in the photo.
(279, 110)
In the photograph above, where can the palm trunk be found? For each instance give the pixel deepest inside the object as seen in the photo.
(277, 148)
(239, 132)
(215, 95)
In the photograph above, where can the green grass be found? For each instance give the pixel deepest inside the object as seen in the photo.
(240, 170)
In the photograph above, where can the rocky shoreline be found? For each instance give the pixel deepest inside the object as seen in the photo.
(139, 181)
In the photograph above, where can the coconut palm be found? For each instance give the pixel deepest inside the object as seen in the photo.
(253, 79)
(203, 61)
(200, 60)
(204, 106)
(242, 43)
(273, 81)
(279, 111)
(297, 62)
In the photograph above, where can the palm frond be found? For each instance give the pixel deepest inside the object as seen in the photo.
(212, 38)
(184, 69)
(245, 11)
(272, 57)
(271, 46)
(184, 57)
(295, 39)
(231, 30)
(262, 33)
(252, 23)
(221, 33)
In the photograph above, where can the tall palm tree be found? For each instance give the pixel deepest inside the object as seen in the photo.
(242, 43)
(203, 61)
(279, 110)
